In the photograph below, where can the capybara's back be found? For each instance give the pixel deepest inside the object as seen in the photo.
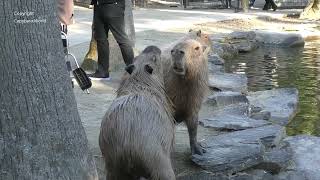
(137, 132)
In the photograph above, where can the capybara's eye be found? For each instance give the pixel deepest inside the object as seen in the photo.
(148, 69)
(197, 48)
(172, 51)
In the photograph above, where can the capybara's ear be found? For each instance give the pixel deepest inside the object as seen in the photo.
(154, 58)
(130, 68)
(199, 33)
(148, 69)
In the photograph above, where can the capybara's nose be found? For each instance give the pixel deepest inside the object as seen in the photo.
(177, 52)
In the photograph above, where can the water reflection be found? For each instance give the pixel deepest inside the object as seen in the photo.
(270, 67)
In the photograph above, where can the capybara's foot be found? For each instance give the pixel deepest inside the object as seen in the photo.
(197, 149)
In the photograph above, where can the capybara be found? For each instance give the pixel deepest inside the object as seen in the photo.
(186, 83)
(198, 35)
(137, 132)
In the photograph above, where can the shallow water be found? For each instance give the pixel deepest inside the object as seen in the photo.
(288, 67)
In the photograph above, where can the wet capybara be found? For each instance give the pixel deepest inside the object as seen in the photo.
(186, 83)
(137, 132)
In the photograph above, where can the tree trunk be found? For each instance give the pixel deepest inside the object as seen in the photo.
(90, 60)
(312, 11)
(245, 5)
(41, 135)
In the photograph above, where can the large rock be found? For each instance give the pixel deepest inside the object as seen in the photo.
(249, 35)
(224, 121)
(213, 69)
(224, 50)
(225, 98)
(276, 160)
(229, 82)
(280, 39)
(239, 150)
(306, 150)
(215, 59)
(281, 103)
(243, 41)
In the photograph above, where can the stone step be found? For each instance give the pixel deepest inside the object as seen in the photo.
(281, 103)
(229, 122)
(225, 98)
(239, 150)
(229, 82)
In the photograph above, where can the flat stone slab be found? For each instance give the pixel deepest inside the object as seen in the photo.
(306, 151)
(229, 82)
(279, 39)
(215, 59)
(224, 121)
(281, 103)
(239, 150)
(225, 98)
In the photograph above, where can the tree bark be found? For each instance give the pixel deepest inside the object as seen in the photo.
(90, 60)
(312, 11)
(245, 5)
(41, 135)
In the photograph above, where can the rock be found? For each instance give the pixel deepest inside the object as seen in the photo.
(224, 50)
(280, 39)
(276, 160)
(281, 103)
(224, 121)
(291, 175)
(229, 82)
(244, 46)
(249, 35)
(306, 150)
(243, 41)
(254, 109)
(234, 109)
(202, 175)
(225, 98)
(265, 115)
(215, 59)
(239, 150)
(213, 69)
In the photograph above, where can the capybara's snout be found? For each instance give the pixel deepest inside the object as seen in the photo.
(177, 52)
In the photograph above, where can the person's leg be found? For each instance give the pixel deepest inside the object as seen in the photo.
(101, 35)
(117, 27)
(273, 5)
(265, 7)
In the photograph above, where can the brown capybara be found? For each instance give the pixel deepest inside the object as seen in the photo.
(186, 83)
(137, 132)
(198, 35)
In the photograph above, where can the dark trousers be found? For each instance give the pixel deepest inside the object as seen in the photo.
(251, 3)
(111, 17)
(269, 4)
(228, 3)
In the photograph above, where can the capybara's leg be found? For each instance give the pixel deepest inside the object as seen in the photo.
(162, 169)
(192, 124)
